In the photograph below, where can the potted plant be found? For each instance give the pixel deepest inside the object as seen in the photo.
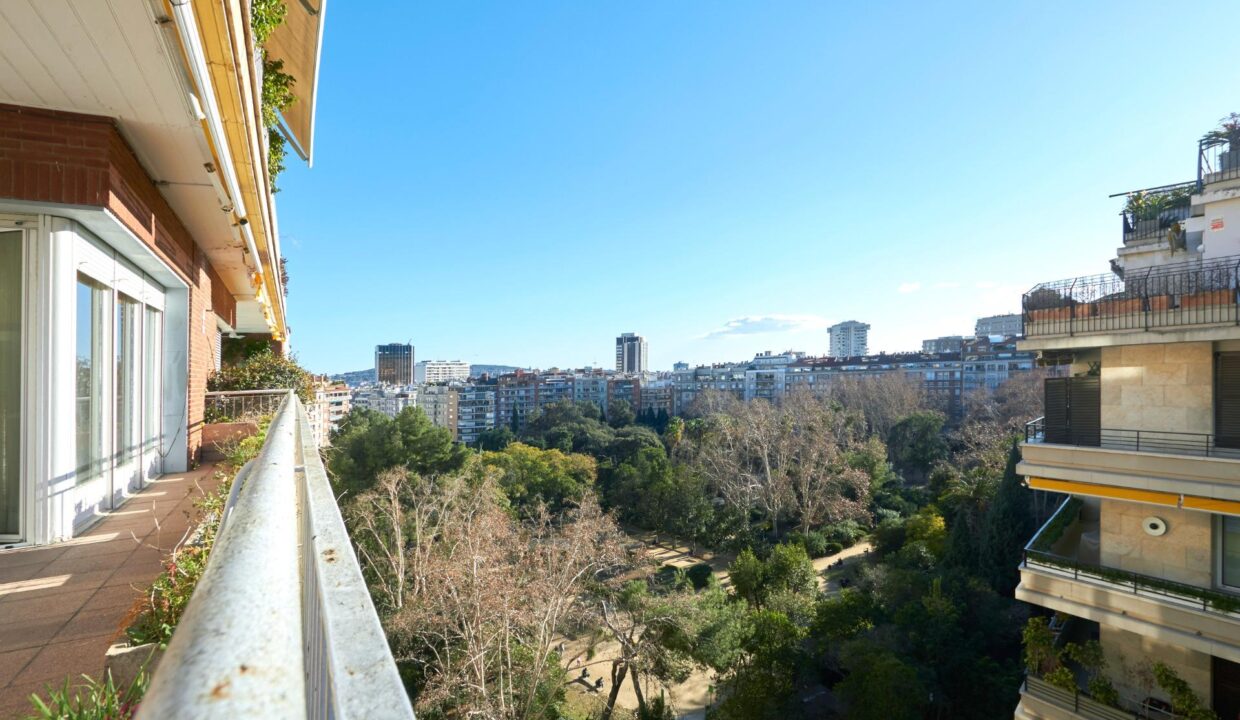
(1228, 131)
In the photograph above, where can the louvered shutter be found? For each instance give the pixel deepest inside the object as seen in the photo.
(1056, 411)
(1085, 410)
(1227, 400)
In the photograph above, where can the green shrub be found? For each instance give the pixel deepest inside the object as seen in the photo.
(700, 575)
(1101, 689)
(265, 370)
(831, 548)
(1062, 678)
(846, 532)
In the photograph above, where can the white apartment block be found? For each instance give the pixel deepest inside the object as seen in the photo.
(440, 403)
(441, 371)
(849, 339)
(1005, 325)
(388, 400)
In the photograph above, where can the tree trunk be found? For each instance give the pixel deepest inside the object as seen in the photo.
(637, 688)
(618, 670)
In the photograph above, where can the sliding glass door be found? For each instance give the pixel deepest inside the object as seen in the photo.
(11, 288)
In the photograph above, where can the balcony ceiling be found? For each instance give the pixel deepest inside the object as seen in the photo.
(113, 58)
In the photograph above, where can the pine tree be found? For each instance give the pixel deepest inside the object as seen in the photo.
(1009, 525)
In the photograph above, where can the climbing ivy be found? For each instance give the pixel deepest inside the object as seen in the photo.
(277, 90)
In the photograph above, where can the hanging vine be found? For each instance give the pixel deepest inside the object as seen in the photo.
(277, 91)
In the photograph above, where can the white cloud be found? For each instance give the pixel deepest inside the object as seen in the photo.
(909, 287)
(767, 324)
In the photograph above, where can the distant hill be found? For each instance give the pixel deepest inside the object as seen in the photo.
(360, 377)
(357, 377)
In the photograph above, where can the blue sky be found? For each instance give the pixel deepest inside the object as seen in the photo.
(520, 182)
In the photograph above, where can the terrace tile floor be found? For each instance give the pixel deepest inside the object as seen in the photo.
(63, 605)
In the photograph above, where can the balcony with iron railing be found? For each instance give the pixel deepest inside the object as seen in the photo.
(1064, 569)
(1218, 158)
(1193, 293)
(281, 623)
(1156, 214)
(1141, 441)
(1053, 701)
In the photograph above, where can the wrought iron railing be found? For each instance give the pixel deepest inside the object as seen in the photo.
(1086, 707)
(1153, 441)
(1154, 213)
(1038, 554)
(1192, 292)
(239, 405)
(281, 623)
(1218, 159)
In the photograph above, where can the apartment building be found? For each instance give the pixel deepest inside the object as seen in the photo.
(631, 352)
(940, 374)
(849, 339)
(516, 398)
(689, 385)
(441, 405)
(1143, 438)
(441, 371)
(475, 412)
(387, 399)
(137, 224)
(394, 364)
(945, 344)
(987, 363)
(591, 386)
(1001, 325)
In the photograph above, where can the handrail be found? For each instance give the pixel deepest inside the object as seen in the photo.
(281, 624)
(1037, 554)
(1081, 704)
(1144, 441)
(235, 393)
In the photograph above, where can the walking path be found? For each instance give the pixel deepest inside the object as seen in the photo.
(63, 605)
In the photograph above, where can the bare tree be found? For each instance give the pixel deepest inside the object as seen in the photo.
(883, 400)
(783, 459)
(476, 598)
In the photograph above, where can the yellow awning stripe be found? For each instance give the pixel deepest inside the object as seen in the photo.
(1188, 502)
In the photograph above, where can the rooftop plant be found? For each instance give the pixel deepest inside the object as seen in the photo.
(1147, 205)
(1228, 131)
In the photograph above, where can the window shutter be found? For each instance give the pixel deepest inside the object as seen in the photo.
(1056, 411)
(1227, 400)
(1085, 410)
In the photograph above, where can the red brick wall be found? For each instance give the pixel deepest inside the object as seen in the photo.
(75, 159)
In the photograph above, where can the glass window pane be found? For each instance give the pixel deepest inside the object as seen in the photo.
(10, 381)
(1231, 551)
(127, 318)
(93, 300)
(151, 386)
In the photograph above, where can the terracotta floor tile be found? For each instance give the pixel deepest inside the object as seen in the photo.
(30, 633)
(65, 566)
(32, 556)
(66, 659)
(45, 585)
(120, 597)
(15, 699)
(62, 605)
(13, 662)
(90, 624)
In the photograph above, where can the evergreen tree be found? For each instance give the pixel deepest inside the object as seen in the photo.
(1009, 525)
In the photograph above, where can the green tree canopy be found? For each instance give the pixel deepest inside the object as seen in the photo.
(531, 475)
(369, 442)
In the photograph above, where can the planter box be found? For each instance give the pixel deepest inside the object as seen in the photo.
(1118, 307)
(216, 435)
(1212, 297)
(1160, 302)
(125, 661)
(1063, 313)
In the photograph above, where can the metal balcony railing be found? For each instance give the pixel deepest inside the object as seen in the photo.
(281, 623)
(1153, 213)
(1086, 707)
(237, 405)
(1154, 441)
(1038, 554)
(1194, 292)
(1218, 159)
